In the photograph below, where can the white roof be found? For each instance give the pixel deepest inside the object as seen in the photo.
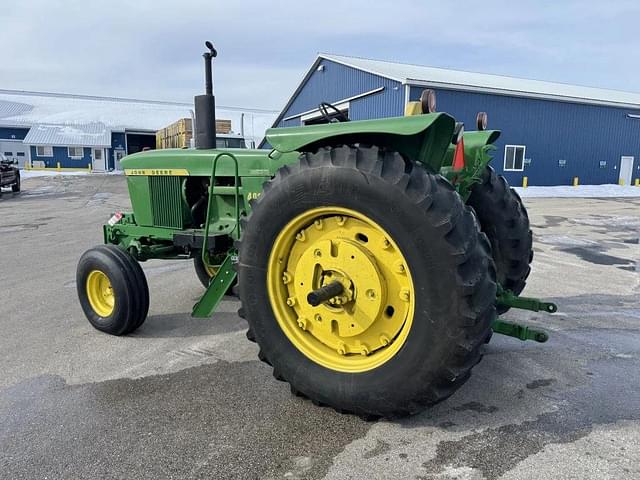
(89, 135)
(86, 113)
(30, 108)
(498, 84)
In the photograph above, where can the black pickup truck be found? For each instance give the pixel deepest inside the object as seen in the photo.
(9, 174)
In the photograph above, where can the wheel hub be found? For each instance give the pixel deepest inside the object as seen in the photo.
(351, 313)
(346, 296)
(353, 329)
(100, 293)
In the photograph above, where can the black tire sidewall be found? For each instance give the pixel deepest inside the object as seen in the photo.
(432, 340)
(201, 272)
(131, 303)
(504, 219)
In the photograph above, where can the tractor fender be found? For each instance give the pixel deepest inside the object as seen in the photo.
(473, 142)
(424, 138)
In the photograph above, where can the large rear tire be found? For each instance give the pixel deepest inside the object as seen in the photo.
(418, 257)
(503, 218)
(112, 289)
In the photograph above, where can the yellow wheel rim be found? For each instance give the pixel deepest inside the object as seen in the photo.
(100, 293)
(369, 322)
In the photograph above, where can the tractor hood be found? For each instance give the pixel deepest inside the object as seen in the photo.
(421, 137)
(185, 162)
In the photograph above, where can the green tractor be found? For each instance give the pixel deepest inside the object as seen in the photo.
(372, 257)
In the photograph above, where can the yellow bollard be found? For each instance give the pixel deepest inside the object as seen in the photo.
(89, 168)
(637, 184)
(621, 182)
(525, 182)
(576, 182)
(58, 166)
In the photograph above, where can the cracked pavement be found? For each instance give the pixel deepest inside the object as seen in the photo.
(187, 398)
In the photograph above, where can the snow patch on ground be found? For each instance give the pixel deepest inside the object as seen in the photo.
(53, 173)
(566, 241)
(581, 191)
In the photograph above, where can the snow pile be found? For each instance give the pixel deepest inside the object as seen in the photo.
(581, 191)
(54, 173)
(49, 173)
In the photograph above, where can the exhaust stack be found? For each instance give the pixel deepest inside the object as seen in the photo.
(206, 105)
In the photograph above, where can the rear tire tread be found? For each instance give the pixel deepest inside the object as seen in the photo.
(476, 275)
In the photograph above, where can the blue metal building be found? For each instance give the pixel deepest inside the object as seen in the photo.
(79, 131)
(551, 132)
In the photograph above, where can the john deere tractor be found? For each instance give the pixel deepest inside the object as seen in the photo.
(372, 258)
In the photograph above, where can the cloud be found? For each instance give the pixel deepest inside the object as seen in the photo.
(151, 49)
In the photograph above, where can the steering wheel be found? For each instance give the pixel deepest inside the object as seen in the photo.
(339, 116)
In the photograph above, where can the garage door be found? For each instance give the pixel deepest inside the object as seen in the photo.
(15, 151)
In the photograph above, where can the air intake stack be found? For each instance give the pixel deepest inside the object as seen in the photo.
(206, 105)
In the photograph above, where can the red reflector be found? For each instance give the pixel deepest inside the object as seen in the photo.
(458, 156)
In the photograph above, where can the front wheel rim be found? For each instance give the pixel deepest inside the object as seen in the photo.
(368, 323)
(100, 293)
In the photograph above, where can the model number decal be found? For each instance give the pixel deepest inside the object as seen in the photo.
(253, 195)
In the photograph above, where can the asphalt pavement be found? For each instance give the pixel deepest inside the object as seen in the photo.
(187, 398)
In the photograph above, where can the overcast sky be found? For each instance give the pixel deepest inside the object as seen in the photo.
(151, 49)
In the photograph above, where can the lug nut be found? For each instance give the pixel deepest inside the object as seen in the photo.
(384, 340)
(318, 224)
(300, 236)
(405, 296)
(342, 349)
(318, 317)
(364, 350)
(385, 244)
(302, 323)
(341, 220)
(286, 278)
(400, 267)
(291, 301)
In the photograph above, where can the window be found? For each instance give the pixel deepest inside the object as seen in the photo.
(514, 158)
(8, 154)
(44, 151)
(97, 154)
(20, 154)
(230, 143)
(76, 152)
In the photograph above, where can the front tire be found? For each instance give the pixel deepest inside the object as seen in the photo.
(206, 273)
(112, 289)
(440, 265)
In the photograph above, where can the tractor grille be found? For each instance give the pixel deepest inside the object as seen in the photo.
(166, 201)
